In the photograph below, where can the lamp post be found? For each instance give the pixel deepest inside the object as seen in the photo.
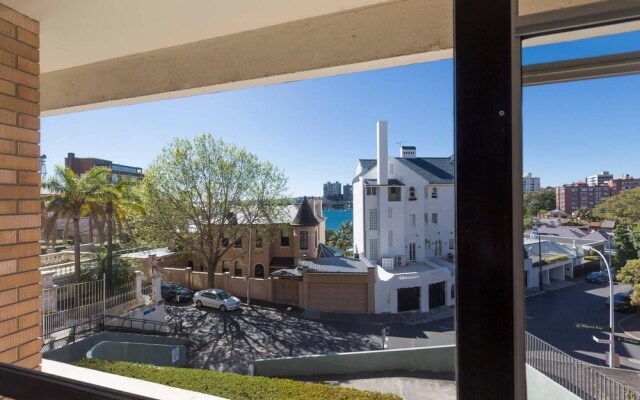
(612, 342)
(540, 263)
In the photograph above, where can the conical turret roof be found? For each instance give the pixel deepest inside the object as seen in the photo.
(305, 216)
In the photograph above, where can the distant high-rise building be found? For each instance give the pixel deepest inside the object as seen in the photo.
(347, 192)
(81, 165)
(599, 179)
(530, 183)
(570, 198)
(332, 190)
(624, 183)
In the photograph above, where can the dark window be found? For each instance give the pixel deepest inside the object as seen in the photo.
(259, 242)
(394, 193)
(284, 238)
(237, 269)
(372, 191)
(225, 266)
(412, 193)
(434, 193)
(238, 243)
(225, 242)
(304, 240)
(259, 271)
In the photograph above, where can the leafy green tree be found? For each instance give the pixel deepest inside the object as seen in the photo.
(202, 192)
(624, 208)
(627, 240)
(630, 273)
(534, 202)
(121, 269)
(586, 215)
(73, 197)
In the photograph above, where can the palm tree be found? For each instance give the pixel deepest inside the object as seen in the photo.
(120, 201)
(73, 196)
(342, 238)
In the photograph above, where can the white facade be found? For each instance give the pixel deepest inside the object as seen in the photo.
(400, 214)
(599, 179)
(403, 221)
(530, 183)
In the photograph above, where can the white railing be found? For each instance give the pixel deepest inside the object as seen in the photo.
(575, 375)
(71, 305)
(63, 257)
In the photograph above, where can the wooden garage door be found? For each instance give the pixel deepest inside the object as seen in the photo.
(338, 296)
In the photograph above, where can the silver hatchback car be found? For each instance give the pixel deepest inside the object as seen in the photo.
(216, 298)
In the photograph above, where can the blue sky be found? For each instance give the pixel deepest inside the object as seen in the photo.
(316, 130)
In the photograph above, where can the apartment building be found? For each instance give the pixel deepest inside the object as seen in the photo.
(599, 179)
(530, 183)
(331, 191)
(570, 198)
(118, 171)
(624, 183)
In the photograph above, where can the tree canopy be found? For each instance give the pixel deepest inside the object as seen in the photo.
(201, 192)
(624, 207)
(534, 202)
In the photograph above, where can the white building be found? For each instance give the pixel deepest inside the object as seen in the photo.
(403, 217)
(599, 179)
(530, 183)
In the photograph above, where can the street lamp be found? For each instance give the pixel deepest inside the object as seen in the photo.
(611, 325)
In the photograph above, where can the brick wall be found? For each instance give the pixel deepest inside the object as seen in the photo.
(19, 190)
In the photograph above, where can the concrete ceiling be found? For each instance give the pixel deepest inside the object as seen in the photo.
(78, 32)
(97, 53)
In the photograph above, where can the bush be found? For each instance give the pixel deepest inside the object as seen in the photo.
(550, 260)
(591, 258)
(232, 386)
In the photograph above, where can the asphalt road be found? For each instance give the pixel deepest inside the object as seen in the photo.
(551, 316)
(229, 341)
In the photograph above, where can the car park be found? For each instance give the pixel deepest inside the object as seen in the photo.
(216, 298)
(174, 292)
(622, 301)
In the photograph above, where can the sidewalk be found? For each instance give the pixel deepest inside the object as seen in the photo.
(407, 318)
(554, 285)
(631, 325)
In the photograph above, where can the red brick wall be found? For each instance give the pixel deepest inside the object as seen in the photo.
(20, 316)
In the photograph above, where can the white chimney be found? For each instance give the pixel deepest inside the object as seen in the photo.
(407, 151)
(383, 163)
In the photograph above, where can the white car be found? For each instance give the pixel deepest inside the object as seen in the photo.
(216, 298)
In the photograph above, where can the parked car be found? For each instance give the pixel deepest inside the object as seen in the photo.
(622, 301)
(598, 277)
(175, 292)
(216, 298)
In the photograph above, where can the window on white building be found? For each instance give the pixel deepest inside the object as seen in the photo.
(426, 218)
(434, 193)
(452, 242)
(434, 218)
(412, 220)
(373, 219)
(373, 249)
(395, 194)
(372, 191)
(412, 193)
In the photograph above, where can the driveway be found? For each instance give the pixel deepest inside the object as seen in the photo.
(229, 341)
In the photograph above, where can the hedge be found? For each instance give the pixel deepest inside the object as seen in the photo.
(233, 386)
(591, 258)
(550, 260)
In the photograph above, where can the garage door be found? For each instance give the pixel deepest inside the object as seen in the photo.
(338, 296)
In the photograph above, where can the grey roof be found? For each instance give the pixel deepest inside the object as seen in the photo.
(408, 147)
(286, 273)
(434, 169)
(334, 265)
(328, 251)
(608, 224)
(390, 182)
(305, 215)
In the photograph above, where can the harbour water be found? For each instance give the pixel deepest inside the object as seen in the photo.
(335, 218)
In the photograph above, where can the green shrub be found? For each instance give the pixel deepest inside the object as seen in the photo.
(591, 258)
(550, 260)
(232, 386)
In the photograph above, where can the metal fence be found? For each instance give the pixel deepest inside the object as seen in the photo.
(574, 375)
(78, 304)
